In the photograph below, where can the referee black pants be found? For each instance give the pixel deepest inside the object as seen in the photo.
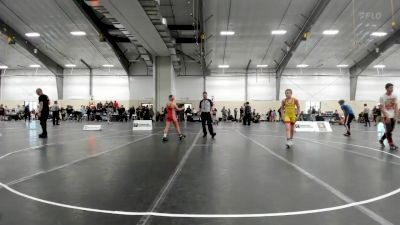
(206, 117)
(390, 123)
(43, 122)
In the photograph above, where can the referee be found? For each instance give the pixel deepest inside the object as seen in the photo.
(206, 106)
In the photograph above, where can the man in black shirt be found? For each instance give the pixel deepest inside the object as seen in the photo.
(247, 114)
(43, 112)
(206, 106)
(27, 113)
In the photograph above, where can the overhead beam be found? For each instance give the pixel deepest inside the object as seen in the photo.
(277, 87)
(118, 39)
(1, 91)
(135, 20)
(90, 78)
(306, 27)
(91, 16)
(364, 63)
(185, 40)
(49, 63)
(182, 27)
(246, 82)
(201, 35)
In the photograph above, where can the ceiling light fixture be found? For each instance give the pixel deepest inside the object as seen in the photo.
(70, 65)
(278, 32)
(262, 66)
(380, 66)
(3, 67)
(108, 65)
(302, 66)
(342, 66)
(378, 34)
(223, 66)
(164, 21)
(78, 33)
(32, 34)
(227, 33)
(330, 32)
(34, 66)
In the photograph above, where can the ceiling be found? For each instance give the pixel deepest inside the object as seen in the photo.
(322, 51)
(252, 21)
(180, 12)
(15, 56)
(54, 20)
(253, 41)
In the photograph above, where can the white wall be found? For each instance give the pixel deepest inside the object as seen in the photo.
(141, 88)
(305, 84)
(21, 88)
(261, 88)
(371, 88)
(76, 87)
(110, 88)
(189, 88)
(225, 88)
(316, 88)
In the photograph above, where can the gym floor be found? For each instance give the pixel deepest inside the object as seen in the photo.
(244, 176)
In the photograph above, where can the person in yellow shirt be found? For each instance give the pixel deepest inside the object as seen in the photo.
(291, 109)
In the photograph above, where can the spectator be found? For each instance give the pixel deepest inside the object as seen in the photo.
(214, 116)
(366, 115)
(131, 112)
(247, 114)
(280, 114)
(146, 113)
(43, 112)
(2, 112)
(273, 116)
(224, 113)
(241, 113)
(151, 113)
(235, 111)
(55, 110)
(63, 113)
(122, 114)
(257, 118)
(162, 113)
(115, 106)
(27, 113)
(187, 111)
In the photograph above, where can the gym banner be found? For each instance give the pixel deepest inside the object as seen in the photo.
(309, 126)
(142, 125)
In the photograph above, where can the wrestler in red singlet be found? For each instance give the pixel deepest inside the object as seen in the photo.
(171, 118)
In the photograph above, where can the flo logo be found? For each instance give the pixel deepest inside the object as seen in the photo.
(370, 15)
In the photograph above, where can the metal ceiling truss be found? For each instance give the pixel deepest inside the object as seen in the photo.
(151, 7)
(364, 63)
(49, 63)
(143, 53)
(316, 12)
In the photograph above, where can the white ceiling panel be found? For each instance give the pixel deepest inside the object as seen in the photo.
(54, 20)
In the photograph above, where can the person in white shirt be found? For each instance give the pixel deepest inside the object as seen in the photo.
(389, 109)
(55, 109)
(366, 115)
